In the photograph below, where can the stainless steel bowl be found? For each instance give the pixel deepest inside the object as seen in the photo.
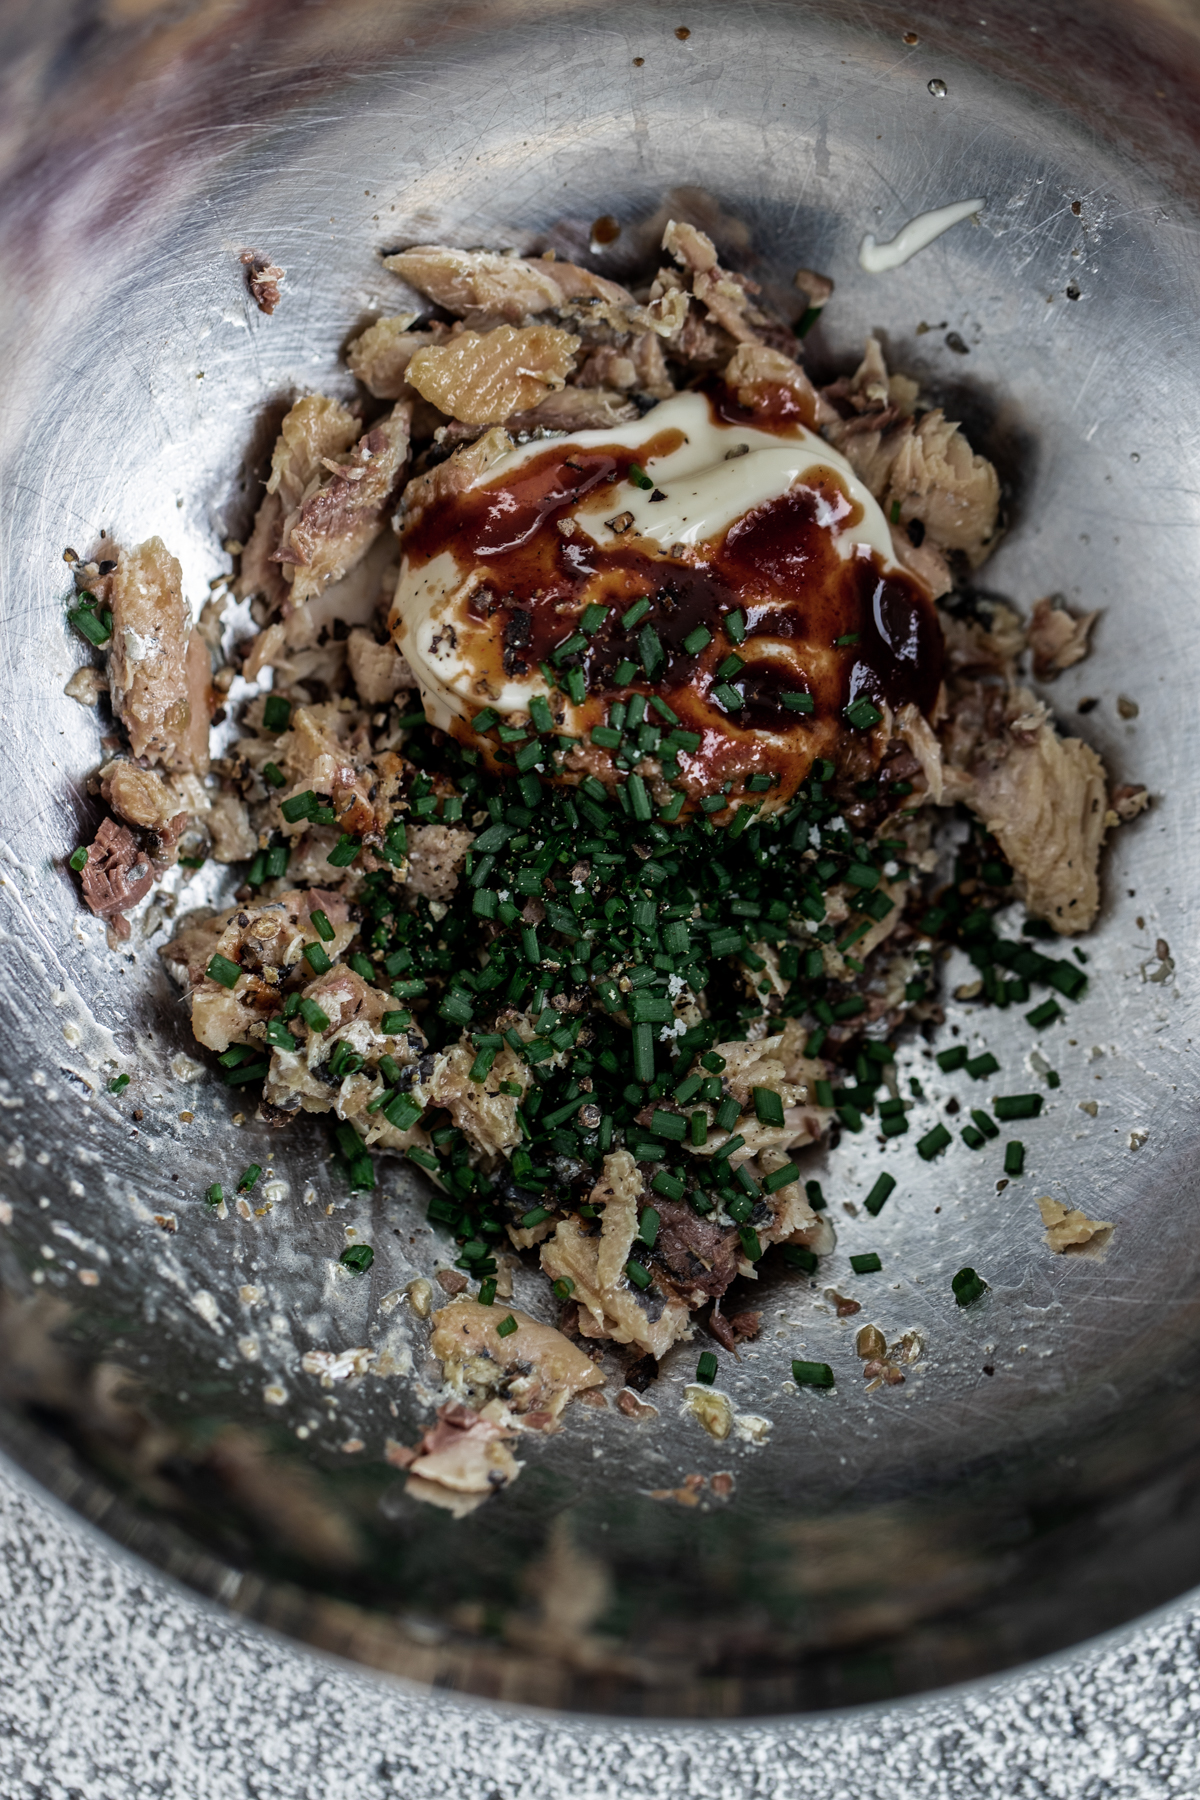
(1035, 1479)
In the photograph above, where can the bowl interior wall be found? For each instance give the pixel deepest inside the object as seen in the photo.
(876, 1544)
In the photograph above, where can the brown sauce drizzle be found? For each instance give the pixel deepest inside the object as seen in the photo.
(779, 566)
(776, 407)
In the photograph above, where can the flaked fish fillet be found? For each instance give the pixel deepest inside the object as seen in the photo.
(484, 379)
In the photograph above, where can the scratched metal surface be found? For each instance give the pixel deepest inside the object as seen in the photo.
(877, 1543)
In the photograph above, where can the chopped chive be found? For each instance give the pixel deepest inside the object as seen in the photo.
(215, 1194)
(727, 1114)
(249, 1176)
(403, 1112)
(1017, 1106)
(984, 1124)
(624, 673)
(88, 625)
(799, 1256)
(506, 1327)
(300, 806)
(768, 1106)
(979, 1066)
(481, 1067)
(847, 637)
(650, 648)
(118, 1084)
(361, 966)
(974, 1140)
(605, 737)
(576, 685)
(222, 970)
(568, 647)
(735, 627)
(343, 852)
(643, 1052)
(798, 702)
(357, 1258)
(637, 612)
(639, 477)
(933, 1143)
(483, 721)
(697, 640)
(811, 1374)
(867, 1263)
(648, 1226)
(954, 1058)
(1067, 979)
(862, 714)
(316, 959)
(733, 665)
(313, 1016)
(1044, 1015)
(879, 1194)
(778, 1177)
(563, 1288)
(274, 775)
(967, 1286)
(706, 1368)
(591, 619)
(539, 712)
(1014, 1157)
(251, 1071)
(751, 1247)
(638, 1274)
(322, 927)
(729, 697)
(393, 1023)
(487, 1291)
(670, 1187)
(277, 713)
(698, 1130)
(814, 1196)
(894, 514)
(78, 859)
(639, 799)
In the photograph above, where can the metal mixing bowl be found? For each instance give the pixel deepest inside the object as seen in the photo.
(1035, 1479)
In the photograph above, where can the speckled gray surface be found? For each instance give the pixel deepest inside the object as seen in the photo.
(116, 1686)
